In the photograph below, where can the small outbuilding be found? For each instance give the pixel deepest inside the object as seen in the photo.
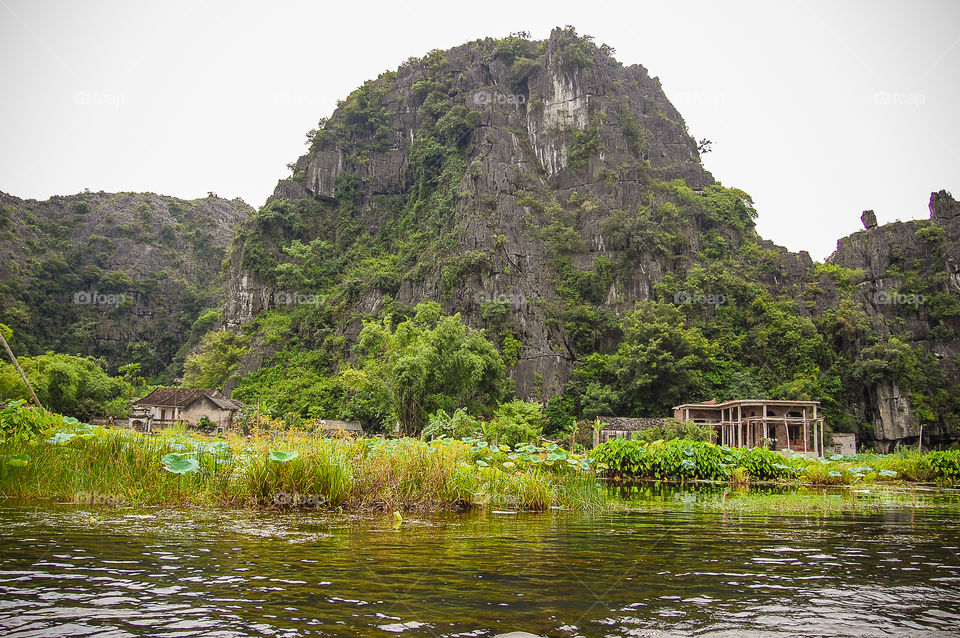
(844, 443)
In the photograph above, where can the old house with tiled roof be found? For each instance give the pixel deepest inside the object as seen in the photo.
(165, 406)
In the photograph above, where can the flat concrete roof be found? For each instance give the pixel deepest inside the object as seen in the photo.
(741, 402)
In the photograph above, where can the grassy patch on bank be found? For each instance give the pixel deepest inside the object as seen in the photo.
(794, 503)
(65, 460)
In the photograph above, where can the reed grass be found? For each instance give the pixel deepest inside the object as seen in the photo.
(119, 466)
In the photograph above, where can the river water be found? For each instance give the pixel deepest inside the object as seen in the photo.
(102, 571)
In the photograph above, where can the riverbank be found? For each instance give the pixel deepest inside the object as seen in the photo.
(82, 463)
(49, 457)
(783, 500)
(679, 460)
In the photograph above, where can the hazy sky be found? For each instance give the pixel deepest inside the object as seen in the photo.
(817, 109)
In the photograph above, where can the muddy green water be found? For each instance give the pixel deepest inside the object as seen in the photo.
(84, 571)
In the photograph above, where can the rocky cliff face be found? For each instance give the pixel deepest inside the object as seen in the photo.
(116, 275)
(908, 289)
(591, 131)
(551, 178)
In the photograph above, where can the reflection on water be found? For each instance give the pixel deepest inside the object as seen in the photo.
(81, 572)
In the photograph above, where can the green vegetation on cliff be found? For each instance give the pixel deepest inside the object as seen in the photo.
(121, 277)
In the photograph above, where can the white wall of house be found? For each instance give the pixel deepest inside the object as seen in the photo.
(165, 413)
(192, 413)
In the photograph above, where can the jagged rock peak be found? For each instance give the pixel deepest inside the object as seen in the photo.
(540, 88)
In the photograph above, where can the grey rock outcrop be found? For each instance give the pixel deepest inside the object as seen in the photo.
(894, 257)
(524, 139)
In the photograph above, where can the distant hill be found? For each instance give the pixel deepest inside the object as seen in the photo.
(122, 276)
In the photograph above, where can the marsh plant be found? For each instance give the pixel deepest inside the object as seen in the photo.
(682, 460)
(63, 459)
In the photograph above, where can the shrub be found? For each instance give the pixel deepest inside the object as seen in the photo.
(459, 425)
(515, 422)
(673, 429)
(945, 465)
(932, 233)
(681, 460)
(21, 422)
(740, 477)
(585, 145)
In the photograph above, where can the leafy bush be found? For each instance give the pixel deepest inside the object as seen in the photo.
(78, 386)
(945, 465)
(683, 460)
(216, 358)
(519, 71)
(933, 234)
(673, 429)
(458, 425)
(428, 363)
(515, 422)
(585, 145)
(20, 422)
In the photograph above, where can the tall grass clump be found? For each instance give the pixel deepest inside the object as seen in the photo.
(71, 461)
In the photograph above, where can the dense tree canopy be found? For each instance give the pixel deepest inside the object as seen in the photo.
(429, 362)
(72, 385)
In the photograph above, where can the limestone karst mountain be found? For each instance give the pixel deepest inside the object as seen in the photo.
(541, 189)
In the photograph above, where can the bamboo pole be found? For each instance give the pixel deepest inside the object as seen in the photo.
(16, 364)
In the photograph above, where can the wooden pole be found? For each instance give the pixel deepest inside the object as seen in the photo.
(16, 364)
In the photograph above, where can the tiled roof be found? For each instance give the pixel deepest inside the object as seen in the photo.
(225, 403)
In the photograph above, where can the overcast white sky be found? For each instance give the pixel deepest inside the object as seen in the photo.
(817, 109)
